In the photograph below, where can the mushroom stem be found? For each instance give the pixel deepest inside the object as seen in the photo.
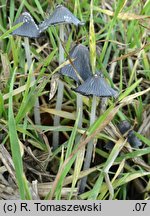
(93, 110)
(59, 97)
(27, 52)
(37, 117)
(61, 49)
(89, 149)
(103, 105)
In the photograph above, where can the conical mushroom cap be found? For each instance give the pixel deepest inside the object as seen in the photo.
(81, 62)
(29, 27)
(124, 126)
(60, 15)
(133, 140)
(96, 85)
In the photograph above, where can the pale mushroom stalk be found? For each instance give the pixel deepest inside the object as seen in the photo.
(79, 70)
(94, 86)
(60, 16)
(90, 145)
(93, 110)
(37, 117)
(59, 97)
(29, 29)
(89, 150)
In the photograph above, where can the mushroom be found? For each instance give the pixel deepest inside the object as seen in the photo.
(60, 16)
(94, 86)
(79, 70)
(125, 129)
(29, 29)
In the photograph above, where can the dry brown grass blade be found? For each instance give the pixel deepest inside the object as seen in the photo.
(122, 15)
(8, 193)
(112, 41)
(53, 85)
(69, 179)
(44, 188)
(60, 113)
(130, 53)
(5, 66)
(129, 99)
(5, 157)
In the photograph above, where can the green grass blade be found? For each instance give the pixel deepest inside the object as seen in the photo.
(7, 33)
(12, 10)
(15, 146)
(115, 151)
(64, 170)
(129, 89)
(77, 169)
(39, 7)
(119, 7)
(1, 104)
(72, 137)
(92, 40)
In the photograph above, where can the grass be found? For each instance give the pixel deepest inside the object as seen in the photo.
(122, 46)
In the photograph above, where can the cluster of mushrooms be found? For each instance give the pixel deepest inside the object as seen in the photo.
(126, 130)
(79, 69)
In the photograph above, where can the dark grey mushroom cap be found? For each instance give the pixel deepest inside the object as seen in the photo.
(124, 126)
(60, 15)
(81, 61)
(109, 145)
(29, 27)
(133, 140)
(96, 85)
